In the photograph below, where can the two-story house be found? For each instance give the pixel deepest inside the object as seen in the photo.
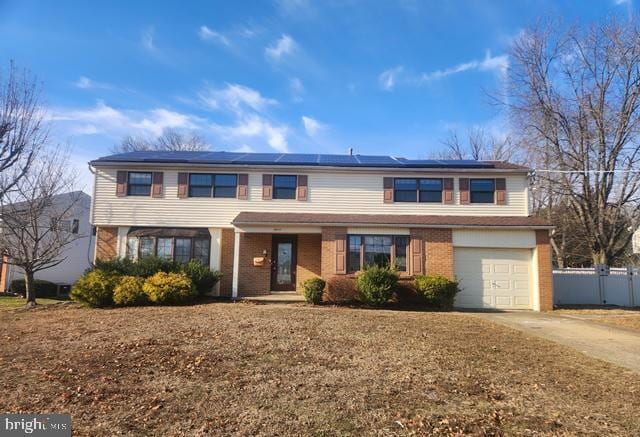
(269, 221)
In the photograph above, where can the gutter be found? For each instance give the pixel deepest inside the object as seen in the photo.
(395, 225)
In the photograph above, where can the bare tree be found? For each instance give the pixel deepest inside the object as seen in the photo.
(36, 217)
(573, 97)
(479, 145)
(22, 130)
(170, 140)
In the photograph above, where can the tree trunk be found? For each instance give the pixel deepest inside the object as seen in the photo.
(30, 289)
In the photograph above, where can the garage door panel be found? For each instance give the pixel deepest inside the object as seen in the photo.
(493, 278)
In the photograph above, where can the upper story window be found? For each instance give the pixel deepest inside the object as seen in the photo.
(417, 190)
(71, 226)
(139, 183)
(212, 185)
(482, 190)
(284, 186)
(382, 250)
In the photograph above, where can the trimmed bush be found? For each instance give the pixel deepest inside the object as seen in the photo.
(341, 290)
(203, 278)
(376, 284)
(94, 288)
(313, 289)
(169, 288)
(43, 288)
(128, 291)
(439, 291)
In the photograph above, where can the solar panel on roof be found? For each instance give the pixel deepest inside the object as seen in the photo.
(337, 160)
(376, 160)
(269, 158)
(221, 157)
(298, 158)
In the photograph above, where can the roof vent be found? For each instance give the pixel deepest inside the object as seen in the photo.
(350, 151)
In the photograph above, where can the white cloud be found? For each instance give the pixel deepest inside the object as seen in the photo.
(236, 98)
(86, 83)
(312, 126)
(389, 78)
(284, 46)
(104, 119)
(245, 148)
(499, 64)
(249, 109)
(295, 7)
(297, 89)
(207, 34)
(147, 39)
(255, 126)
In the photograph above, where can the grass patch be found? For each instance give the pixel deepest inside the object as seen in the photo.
(9, 302)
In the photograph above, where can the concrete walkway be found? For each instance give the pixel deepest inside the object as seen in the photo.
(616, 345)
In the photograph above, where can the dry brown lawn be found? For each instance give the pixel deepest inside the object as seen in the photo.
(238, 368)
(618, 317)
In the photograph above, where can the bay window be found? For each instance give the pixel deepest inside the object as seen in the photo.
(177, 244)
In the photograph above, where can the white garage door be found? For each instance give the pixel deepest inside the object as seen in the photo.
(493, 278)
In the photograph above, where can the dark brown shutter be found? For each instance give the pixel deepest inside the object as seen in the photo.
(243, 186)
(121, 184)
(501, 191)
(341, 254)
(417, 259)
(447, 190)
(183, 185)
(156, 184)
(387, 184)
(267, 186)
(302, 187)
(464, 190)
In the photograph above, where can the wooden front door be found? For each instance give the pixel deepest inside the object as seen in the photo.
(283, 264)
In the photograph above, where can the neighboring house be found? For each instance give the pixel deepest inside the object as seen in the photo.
(270, 221)
(77, 254)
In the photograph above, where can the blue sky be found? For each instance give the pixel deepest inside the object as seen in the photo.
(383, 77)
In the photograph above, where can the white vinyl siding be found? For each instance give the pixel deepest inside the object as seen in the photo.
(329, 191)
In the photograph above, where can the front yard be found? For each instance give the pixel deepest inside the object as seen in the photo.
(239, 368)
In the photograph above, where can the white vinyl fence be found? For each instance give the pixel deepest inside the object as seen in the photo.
(597, 286)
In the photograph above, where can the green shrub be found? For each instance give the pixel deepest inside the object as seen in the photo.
(313, 289)
(203, 278)
(128, 291)
(94, 288)
(437, 290)
(169, 288)
(43, 288)
(376, 284)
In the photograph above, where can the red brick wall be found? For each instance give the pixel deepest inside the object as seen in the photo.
(437, 250)
(106, 242)
(328, 261)
(309, 258)
(252, 280)
(545, 270)
(226, 261)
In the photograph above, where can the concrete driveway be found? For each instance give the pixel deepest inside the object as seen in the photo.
(617, 345)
